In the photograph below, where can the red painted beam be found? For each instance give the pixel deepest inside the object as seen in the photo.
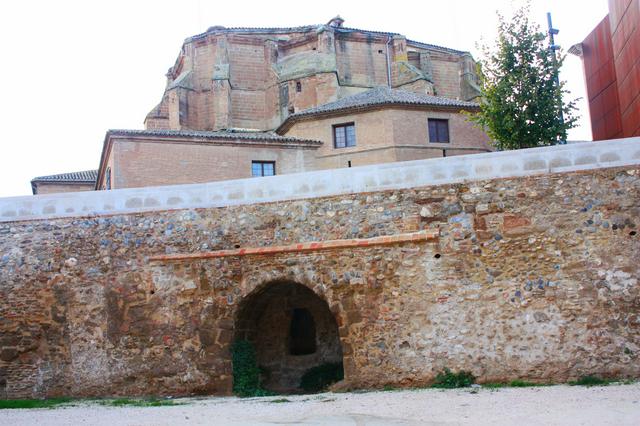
(430, 235)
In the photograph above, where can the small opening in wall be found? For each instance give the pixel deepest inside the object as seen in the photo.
(302, 333)
(632, 233)
(314, 49)
(298, 86)
(379, 50)
(437, 255)
(152, 292)
(349, 163)
(237, 246)
(444, 152)
(292, 110)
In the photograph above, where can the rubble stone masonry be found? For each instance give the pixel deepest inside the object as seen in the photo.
(532, 277)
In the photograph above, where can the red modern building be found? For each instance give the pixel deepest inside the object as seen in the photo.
(611, 59)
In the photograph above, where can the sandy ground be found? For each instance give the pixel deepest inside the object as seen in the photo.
(557, 405)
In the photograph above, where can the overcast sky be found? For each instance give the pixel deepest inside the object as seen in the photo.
(73, 69)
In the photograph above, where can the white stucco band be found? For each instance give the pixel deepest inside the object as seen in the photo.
(436, 171)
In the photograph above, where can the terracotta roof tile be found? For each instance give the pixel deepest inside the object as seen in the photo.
(226, 135)
(380, 96)
(88, 176)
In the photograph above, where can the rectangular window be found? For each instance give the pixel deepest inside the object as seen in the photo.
(344, 135)
(263, 168)
(438, 130)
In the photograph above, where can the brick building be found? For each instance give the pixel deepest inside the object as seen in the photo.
(611, 58)
(64, 182)
(242, 102)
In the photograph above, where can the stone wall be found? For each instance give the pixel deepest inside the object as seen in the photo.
(532, 277)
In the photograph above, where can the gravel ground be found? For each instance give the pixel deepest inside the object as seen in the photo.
(556, 405)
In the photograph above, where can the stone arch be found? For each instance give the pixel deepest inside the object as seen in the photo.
(276, 317)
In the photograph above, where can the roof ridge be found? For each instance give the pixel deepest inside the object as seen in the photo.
(264, 135)
(312, 27)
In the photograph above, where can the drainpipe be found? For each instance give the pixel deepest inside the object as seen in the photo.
(388, 62)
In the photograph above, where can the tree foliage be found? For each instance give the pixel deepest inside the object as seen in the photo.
(521, 103)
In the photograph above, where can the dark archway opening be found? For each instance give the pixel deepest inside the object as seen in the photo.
(292, 331)
(302, 333)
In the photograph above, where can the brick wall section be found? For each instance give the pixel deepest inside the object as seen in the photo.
(446, 75)
(533, 278)
(392, 134)
(139, 164)
(252, 99)
(360, 62)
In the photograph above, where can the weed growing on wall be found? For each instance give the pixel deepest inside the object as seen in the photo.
(246, 373)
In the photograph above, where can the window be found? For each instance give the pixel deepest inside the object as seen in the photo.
(344, 135)
(438, 130)
(302, 333)
(263, 168)
(298, 87)
(108, 178)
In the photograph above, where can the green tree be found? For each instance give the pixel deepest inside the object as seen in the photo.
(521, 103)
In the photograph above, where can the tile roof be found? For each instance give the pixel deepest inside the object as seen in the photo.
(435, 47)
(309, 28)
(381, 96)
(237, 135)
(87, 176)
(253, 30)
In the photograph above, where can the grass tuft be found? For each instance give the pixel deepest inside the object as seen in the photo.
(450, 380)
(33, 403)
(591, 381)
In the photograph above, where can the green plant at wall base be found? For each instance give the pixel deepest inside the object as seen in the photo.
(521, 102)
(450, 380)
(246, 373)
(33, 403)
(590, 381)
(318, 378)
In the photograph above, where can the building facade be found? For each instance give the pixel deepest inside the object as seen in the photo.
(243, 102)
(611, 57)
(65, 182)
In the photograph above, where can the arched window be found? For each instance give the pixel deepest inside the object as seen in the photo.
(302, 333)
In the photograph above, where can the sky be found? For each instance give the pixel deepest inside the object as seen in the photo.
(71, 70)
